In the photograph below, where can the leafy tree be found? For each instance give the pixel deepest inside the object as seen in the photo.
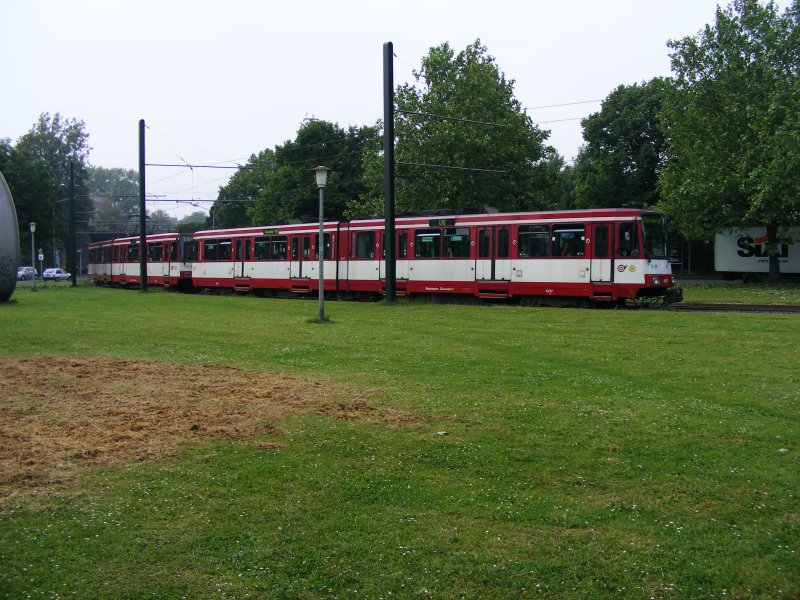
(243, 188)
(160, 221)
(624, 151)
(285, 184)
(552, 185)
(193, 222)
(33, 190)
(115, 193)
(463, 140)
(733, 124)
(56, 143)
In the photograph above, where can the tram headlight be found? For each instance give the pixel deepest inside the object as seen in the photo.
(656, 281)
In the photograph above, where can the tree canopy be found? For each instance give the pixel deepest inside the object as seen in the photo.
(732, 123)
(34, 191)
(624, 152)
(37, 169)
(282, 182)
(115, 193)
(463, 139)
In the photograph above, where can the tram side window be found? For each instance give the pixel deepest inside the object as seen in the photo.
(261, 250)
(601, 241)
(628, 241)
(155, 252)
(224, 250)
(402, 246)
(210, 250)
(190, 251)
(280, 247)
(133, 253)
(173, 251)
(455, 241)
(568, 240)
(427, 243)
(534, 241)
(327, 238)
(365, 244)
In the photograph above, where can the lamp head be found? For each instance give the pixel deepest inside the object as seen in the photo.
(322, 175)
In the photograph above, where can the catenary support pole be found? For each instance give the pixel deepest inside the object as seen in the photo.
(142, 213)
(72, 247)
(390, 247)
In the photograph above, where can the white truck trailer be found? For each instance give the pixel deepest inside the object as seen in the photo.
(742, 253)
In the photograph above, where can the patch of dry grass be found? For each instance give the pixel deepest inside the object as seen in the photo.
(60, 415)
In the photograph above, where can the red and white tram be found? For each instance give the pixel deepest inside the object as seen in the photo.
(116, 262)
(605, 255)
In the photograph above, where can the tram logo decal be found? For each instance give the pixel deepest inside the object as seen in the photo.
(623, 268)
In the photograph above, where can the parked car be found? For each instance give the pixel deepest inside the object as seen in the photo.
(56, 275)
(26, 273)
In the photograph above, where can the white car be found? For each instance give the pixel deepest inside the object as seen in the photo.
(26, 274)
(56, 275)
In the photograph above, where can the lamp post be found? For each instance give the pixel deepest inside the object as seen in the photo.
(33, 253)
(322, 178)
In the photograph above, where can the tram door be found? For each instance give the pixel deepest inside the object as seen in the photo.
(601, 242)
(241, 256)
(493, 262)
(301, 253)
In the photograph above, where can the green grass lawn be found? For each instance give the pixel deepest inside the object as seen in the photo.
(561, 453)
(738, 293)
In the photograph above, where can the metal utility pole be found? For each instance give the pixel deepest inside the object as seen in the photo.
(72, 246)
(388, 169)
(142, 213)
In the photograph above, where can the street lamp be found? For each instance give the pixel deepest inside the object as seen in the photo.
(322, 178)
(33, 253)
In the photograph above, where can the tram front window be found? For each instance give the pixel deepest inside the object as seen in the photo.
(654, 236)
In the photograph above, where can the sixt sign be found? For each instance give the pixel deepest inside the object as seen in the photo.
(746, 251)
(749, 246)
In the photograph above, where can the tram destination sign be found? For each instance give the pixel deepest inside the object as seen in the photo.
(441, 222)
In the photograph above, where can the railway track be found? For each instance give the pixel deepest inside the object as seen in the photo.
(785, 309)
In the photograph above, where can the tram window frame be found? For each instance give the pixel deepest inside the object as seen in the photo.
(456, 242)
(568, 240)
(261, 248)
(529, 241)
(155, 252)
(628, 240)
(602, 235)
(190, 249)
(365, 245)
(225, 250)
(279, 247)
(428, 249)
(654, 237)
(210, 250)
(326, 238)
(503, 243)
(402, 245)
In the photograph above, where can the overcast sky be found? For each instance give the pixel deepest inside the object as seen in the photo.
(218, 81)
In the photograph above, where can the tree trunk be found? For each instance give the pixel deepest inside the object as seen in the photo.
(773, 249)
